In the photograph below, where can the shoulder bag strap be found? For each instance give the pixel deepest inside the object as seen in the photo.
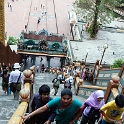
(19, 77)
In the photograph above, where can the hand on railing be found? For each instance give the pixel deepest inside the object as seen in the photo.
(25, 118)
(114, 121)
(118, 122)
(48, 122)
(72, 122)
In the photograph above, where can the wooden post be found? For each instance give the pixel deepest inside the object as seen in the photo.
(121, 70)
(112, 84)
(77, 82)
(96, 68)
(2, 23)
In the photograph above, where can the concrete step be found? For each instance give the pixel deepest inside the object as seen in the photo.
(7, 106)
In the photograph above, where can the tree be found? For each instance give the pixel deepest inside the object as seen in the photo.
(117, 63)
(95, 12)
(121, 5)
(12, 40)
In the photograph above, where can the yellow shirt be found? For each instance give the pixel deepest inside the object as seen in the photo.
(112, 111)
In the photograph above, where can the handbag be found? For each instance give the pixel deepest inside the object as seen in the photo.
(13, 85)
(3, 84)
(94, 113)
(57, 83)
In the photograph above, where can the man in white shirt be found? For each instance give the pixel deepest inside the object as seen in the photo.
(15, 80)
(68, 82)
(75, 70)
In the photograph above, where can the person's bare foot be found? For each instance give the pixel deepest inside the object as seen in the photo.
(5, 92)
(76, 93)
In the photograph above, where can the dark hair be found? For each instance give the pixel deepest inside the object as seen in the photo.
(44, 89)
(119, 100)
(66, 91)
(5, 71)
(75, 67)
(10, 68)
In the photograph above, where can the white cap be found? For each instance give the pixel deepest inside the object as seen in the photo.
(16, 65)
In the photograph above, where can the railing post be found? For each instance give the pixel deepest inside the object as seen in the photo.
(112, 84)
(121, 70)
(77, 81)
(97, 68)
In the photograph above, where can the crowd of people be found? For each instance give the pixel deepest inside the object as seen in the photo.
(87, 74)
(41, 68)
(64, 109)
(12, 78)
(67, 110)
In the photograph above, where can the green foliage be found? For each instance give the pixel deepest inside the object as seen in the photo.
(87, 9)
(117, 63)
(121, 2)
(12, 40)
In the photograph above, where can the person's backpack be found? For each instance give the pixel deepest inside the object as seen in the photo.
(94, 113)
(56, 82)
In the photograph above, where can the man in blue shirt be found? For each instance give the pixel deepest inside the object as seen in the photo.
(40, 100)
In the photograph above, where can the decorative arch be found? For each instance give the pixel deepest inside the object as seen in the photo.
(55, 45)
(43, 45)
(43, 32)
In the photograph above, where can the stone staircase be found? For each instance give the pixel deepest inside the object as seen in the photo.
(7, 106)
(46, 78)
